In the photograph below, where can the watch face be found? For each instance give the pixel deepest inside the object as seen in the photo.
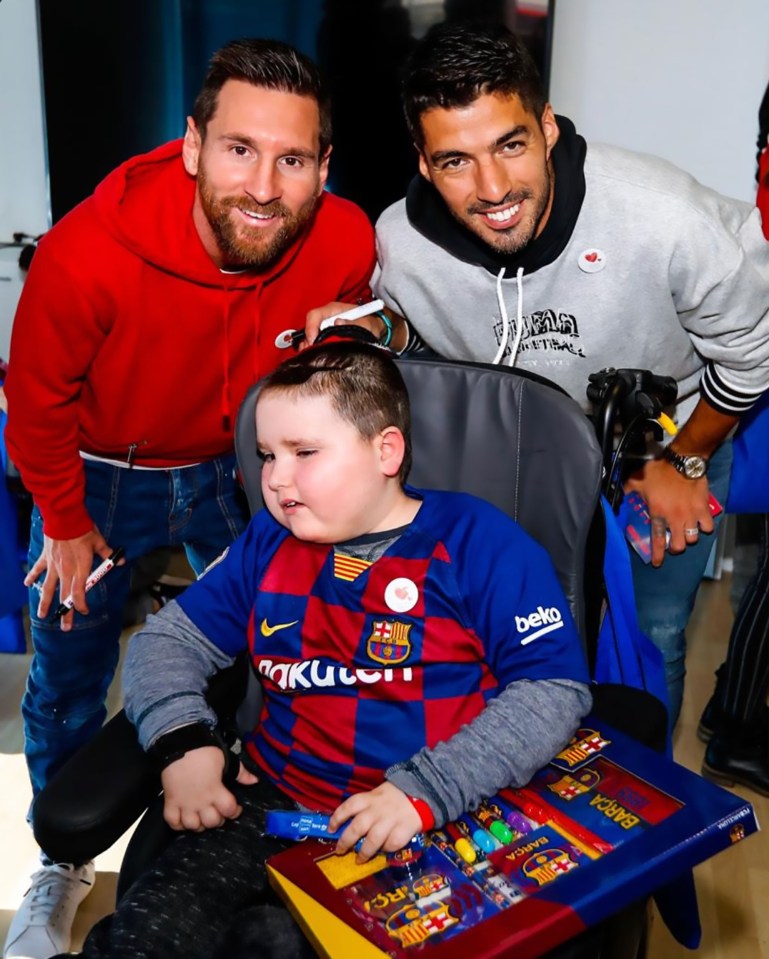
(694, 467)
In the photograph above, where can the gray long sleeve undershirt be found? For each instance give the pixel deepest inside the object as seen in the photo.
(165, 675)
(518, 732)
(170, 660)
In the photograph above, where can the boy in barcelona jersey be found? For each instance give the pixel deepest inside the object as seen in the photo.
(415, 651)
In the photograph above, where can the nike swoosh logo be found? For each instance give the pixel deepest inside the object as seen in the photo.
(269, 630)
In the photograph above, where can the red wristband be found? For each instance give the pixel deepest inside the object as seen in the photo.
(425, 813)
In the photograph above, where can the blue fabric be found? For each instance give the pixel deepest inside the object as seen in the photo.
(749, 487)
(13, 596)
(12, 638)
(626, 655)
(665, 596)
(141, 510)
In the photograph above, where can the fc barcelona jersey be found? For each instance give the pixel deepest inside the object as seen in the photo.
(362, 664)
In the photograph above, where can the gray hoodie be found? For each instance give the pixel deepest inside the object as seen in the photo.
(659, 273)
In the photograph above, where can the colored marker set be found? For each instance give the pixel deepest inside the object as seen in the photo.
(485, 829)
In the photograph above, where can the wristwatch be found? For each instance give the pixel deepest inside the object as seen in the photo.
(692, 467)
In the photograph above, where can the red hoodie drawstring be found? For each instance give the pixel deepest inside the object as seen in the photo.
(225, 404)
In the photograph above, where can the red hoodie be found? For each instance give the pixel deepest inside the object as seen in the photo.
(127, 335)
(762, 198)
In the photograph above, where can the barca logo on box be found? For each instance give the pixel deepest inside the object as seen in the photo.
(389, 642)
(428, 885)
(415, 923)
(543, 867)
(567, 787)
(584, 746)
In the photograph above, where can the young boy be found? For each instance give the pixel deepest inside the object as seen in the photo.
(415, 651)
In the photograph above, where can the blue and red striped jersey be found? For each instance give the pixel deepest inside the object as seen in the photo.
(362, 664)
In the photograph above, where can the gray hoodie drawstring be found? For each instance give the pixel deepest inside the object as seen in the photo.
(518, 329)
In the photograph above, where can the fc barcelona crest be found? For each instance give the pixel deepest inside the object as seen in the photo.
(389, 642)
(568, 786)
(584, 746)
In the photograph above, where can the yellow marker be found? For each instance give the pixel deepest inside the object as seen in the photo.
(667, 424)
(465, 850)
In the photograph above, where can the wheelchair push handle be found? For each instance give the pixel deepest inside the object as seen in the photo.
(628, 403)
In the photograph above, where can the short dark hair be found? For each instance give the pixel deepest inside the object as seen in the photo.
(455, 63)
(363, 383)
(263, 63)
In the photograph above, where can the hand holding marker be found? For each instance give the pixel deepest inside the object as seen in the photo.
(356, 313)
(96, 576)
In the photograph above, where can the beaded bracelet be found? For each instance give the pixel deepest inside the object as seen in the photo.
(425, 813)
(388, 333)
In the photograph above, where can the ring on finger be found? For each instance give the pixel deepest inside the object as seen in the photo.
(692, 532)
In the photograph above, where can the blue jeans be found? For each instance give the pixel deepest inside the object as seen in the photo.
(665, 595)
(200, 507)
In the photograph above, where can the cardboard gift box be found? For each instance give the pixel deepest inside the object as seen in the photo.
(606, 823)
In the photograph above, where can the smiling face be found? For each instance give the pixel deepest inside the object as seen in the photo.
(321, 478)
(259, 173)
(490, 161)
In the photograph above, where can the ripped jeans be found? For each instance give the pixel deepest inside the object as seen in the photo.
(200, 507)
(665, 596)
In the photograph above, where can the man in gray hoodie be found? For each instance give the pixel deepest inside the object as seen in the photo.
(521, 244)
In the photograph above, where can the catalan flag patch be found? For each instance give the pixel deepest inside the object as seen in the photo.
(349, 568)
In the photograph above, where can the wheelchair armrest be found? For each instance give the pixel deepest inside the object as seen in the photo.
(99, 792)
(634, 712)
(104, 788)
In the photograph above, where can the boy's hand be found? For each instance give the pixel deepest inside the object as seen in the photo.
(195, 796)
(384, 816)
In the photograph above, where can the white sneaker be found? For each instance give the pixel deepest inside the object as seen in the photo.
(42, 926)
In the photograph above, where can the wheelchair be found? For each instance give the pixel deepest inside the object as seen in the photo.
(512, 438)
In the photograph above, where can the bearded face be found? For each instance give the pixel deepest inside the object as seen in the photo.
(248, 233)
(259, 173)
(490, 161)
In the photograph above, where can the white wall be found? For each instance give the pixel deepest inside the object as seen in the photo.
(24, 204)
(23, 181)
(679, 78)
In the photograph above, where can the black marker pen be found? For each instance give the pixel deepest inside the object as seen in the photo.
(98, 574)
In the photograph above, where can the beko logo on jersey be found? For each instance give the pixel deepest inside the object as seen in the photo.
(542, 620)
(312, 673)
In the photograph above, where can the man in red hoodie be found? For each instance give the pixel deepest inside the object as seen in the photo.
(147, 313)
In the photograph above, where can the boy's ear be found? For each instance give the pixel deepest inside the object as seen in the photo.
(392, 450)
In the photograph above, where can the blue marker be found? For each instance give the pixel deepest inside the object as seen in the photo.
(481, 836)
(294, 824)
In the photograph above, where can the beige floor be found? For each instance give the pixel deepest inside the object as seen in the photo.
(733, 887)
(19, 855)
